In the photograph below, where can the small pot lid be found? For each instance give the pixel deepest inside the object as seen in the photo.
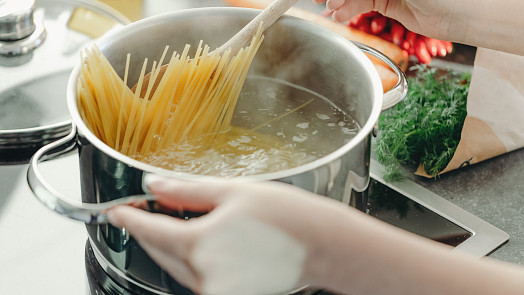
(39, 45)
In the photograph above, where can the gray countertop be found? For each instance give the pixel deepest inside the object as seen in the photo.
(492, 190)
(43, 253)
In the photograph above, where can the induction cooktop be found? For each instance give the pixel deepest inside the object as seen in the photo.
(412, 207)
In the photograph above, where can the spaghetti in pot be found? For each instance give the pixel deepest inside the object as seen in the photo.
(181, 119)
(194, 97)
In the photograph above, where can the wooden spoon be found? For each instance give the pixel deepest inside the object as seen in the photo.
(268, 16)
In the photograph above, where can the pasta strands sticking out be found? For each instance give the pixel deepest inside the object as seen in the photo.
(195, 96)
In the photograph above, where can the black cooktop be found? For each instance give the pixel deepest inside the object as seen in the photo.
(391, 206)
(412, 207)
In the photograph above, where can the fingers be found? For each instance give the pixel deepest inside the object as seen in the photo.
(341, 11)
(344, 10)
(335, 4)
(167, 240)
(197, 196)
(158, 229)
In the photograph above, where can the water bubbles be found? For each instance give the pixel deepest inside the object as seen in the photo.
(323, 116)
(300, 138)
(281, 134)
(293, 129)
(349, 131)
(244, 139)
(304, 125)
(234, 143)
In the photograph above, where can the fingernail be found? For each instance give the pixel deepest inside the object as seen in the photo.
(152, 179)
(160, 183)
(112, 219)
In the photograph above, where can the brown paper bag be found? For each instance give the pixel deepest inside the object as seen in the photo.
(495, 121)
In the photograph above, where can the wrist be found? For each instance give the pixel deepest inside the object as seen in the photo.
(479, 24)
(335, 254)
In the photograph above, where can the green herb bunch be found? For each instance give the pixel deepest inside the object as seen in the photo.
(425, 127)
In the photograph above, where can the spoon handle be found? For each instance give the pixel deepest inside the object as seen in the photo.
(268, 16)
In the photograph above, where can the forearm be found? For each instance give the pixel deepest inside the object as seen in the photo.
(370, 257)
(490, 24)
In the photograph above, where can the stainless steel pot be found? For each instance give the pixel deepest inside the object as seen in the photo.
(329, 65)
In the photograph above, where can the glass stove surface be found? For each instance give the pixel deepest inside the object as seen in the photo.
(391, 206)
(410, 206)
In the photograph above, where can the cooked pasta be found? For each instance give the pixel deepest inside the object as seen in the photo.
(195, 96)
(181, 118)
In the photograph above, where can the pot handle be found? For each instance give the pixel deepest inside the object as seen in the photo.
(399, 91)
(52, 199)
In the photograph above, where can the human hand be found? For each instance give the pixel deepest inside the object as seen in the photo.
(426, 17)
(420, 46)
(462, 21)
(258, 238)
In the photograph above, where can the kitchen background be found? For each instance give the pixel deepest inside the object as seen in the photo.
(43, 253)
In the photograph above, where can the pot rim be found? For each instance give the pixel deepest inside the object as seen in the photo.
(365, 131)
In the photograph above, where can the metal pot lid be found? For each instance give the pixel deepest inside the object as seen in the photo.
(39, 45)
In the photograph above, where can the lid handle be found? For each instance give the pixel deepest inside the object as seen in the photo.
(16, 19)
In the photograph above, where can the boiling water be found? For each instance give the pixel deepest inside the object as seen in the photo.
(276, 126)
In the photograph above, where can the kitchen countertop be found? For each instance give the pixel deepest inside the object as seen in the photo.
(43, 253)
(492, 190)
